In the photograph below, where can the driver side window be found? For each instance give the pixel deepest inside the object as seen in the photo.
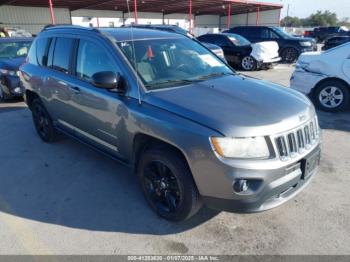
(91, 59)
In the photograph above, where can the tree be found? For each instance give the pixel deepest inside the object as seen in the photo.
(319, 18)
(289, 21)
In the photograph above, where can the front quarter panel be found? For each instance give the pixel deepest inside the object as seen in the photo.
(191, 138)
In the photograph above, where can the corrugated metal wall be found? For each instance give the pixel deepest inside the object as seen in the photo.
(32, 19)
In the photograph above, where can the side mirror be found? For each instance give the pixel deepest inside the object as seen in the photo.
(106, 79)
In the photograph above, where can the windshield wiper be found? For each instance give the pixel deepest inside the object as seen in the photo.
(172, 81)
(214, 75)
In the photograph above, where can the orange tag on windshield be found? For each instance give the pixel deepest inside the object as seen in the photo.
(150, 54)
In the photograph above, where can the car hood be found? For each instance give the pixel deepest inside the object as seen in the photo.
(11, 64)
(236, 105)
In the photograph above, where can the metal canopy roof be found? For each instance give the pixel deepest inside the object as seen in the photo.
(199, 7)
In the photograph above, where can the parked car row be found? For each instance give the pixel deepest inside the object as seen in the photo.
(290, 47)
(239, 51)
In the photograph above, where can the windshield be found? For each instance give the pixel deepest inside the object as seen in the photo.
(9, 50)
(238, 40)
(171, 62)
(281, 32)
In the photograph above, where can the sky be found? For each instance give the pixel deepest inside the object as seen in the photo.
(303, 8)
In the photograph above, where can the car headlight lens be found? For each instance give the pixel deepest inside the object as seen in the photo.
(250, 147)
(305, 44)
(8, 72)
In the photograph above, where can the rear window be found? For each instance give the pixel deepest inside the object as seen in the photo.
(62, 51)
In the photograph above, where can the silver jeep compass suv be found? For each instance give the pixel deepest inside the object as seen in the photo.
(193, 130)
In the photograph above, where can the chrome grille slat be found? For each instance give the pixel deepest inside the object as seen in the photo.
(292, 143)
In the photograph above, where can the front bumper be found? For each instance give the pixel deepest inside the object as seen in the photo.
(269, 188)
(304, 81)
(11, 86)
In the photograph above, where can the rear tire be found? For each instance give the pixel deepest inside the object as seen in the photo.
(289, 55)
(248, 63)
(43, 122)
(167, 184)
(332, 96)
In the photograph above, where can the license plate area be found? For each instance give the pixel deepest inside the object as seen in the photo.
(309, 164)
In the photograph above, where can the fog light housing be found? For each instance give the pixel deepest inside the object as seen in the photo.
(241, 186)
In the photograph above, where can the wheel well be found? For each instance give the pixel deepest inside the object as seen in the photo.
(30, 96)
(143, 142)
(328, 80)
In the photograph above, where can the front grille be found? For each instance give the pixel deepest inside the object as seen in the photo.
(295, 142)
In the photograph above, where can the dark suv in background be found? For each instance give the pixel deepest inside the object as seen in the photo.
(290, 47)
(321, 34)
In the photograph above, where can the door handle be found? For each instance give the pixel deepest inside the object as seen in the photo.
(75, 89)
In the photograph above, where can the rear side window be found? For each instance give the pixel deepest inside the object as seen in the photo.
(41, 50)
(91, 59)
(62, 54)
(238, 30)
(32, 54)
(252, 32)
(220, 40)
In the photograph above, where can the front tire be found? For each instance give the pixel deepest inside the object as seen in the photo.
(167, 184)
(332, 96)
(289, 55)
(248, 63)
(42, 122)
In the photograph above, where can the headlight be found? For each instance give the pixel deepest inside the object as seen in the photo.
(250, 147)
(8, 72)
(219, 53)
(305, 44)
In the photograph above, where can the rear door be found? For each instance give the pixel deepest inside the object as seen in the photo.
(58, 83)
(97, 115)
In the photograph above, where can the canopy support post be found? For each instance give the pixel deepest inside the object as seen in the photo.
(190, 16)
(135, 12)
(229, 16)
(53, 18)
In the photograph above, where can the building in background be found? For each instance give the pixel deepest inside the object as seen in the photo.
(193, 15)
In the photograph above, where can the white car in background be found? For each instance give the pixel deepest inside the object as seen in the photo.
(325, 77)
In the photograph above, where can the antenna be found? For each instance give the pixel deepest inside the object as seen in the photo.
(134, 54)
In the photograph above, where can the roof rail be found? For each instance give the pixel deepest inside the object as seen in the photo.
(65, 26)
